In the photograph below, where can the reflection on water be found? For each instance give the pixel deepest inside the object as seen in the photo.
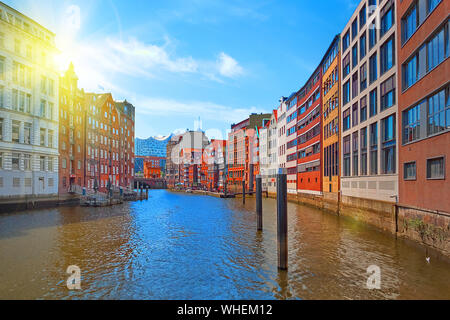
(177, 246)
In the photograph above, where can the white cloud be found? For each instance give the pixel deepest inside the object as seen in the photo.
(229, 67)
(206, 110)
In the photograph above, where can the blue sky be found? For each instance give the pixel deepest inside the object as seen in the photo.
(176, 61)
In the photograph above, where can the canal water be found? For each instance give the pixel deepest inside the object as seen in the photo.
(182, 246)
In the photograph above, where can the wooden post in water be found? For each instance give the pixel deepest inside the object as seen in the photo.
(243, 191)
(146, 191)
(282, 220)
(259, 209)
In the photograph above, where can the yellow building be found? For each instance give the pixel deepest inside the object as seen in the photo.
(330, 113)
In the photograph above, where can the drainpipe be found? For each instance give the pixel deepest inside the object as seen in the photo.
(396, 213)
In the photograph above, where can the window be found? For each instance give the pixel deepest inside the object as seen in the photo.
(42, 163)
(42, 110)
(1, 129)
(373, 102)
(362, 46)
(346, 117)
(409, 24)
(387, 89)
(363, 76)
(437, 112)
(362, 17)
(42, 137)
(374, 148)
(363, 143)
(355, 55)
(17, 45)
(346, 156)
(431, 4)
(15, 131)
(1, 96)
(373, 74)
(64, 163)
(346, 66)
(387, 55)
(355, 114)
(363, 109)
(355, 85)
(411, 124)
(355, 143)
(388, 145)
(15, 161)
(27, 133)
(50, 138)
(346, 92)
(410, 72)
(409, 171)
(387, 20)
(436, 50)
(346, 41)
(435, 168)
(372, 34)
(50, 164)
(355, 28)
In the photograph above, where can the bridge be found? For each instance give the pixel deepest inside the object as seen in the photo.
(151, 183)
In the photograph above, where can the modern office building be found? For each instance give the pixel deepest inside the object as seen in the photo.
(153, 146)
(71, 133)
(28, 107)
(331, 112)
(369, 102)
(424, 103)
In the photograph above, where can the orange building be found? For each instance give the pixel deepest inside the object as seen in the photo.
(214, 158)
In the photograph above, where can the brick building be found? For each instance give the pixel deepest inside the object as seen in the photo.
(424, 103)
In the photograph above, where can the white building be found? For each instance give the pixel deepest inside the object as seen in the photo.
(263, 156)
(272, 152)
(28, 107)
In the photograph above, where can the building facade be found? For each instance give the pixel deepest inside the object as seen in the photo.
(309, 135)
(291, 143)
(126, 114)
(28, 107)
(424, 103)
(331, 112)
(152, 147)
(243, 151)
(71, 133)
(369, 96)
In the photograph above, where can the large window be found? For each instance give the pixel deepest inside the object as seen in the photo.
(388, 143)
(409, 24)
(355, 55)
(411, 124)
(27, 133)
(436, 168)
(410, 72)
(355, 85)
(387, 55)
(355, 28)
(362, 46)
(362, 17)
(438, 112)
(346, 92)
(363, 76)
(373, 102)
(15, 161)
(346, 66)
(387, 89)
(355, 149)
(436, 48)
(372, 34)
(374, 148)
(346, 41)
(373, 71)
(363, 108)
(363, 143)
(15, 131)
(346, 120)
(346, 156)
(355, 114)
(387, 20)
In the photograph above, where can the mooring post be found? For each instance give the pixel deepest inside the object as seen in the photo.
(243, 191)
(259, 209)
(282, 220)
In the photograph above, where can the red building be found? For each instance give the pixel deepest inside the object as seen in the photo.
(309, 135)
(214, 158)
(242, 151)
(424, 103)
(151, 167)
(126, 143)
(71, 133)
